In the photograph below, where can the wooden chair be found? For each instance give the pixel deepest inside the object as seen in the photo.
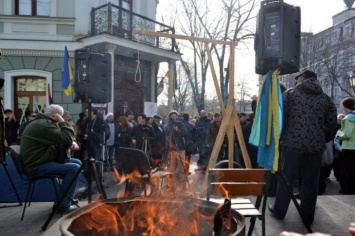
(242, 182)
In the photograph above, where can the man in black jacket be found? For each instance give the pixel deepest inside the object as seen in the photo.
(191, 147)
(143, 135)
(201, 132)
(309, 122)
(175, 137)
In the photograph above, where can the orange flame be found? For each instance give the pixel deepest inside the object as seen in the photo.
(142, 216)
(222, 191)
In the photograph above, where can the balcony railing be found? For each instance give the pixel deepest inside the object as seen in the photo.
(112, 19)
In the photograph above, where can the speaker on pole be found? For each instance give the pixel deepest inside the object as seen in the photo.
(92, 76)
(277, 39)
(100, 77)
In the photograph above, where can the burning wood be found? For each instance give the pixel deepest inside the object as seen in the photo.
(152, 217)
(222, 217)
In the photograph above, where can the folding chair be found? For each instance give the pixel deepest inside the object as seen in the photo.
(242, 182)
(15, 155)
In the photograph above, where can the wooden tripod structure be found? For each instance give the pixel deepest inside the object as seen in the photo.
(230, 121)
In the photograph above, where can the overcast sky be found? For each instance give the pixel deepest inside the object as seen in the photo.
(316, 15)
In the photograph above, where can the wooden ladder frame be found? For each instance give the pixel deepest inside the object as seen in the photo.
(230, 121)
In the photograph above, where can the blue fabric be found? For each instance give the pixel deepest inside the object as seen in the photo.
(43, 192)
(267, 126)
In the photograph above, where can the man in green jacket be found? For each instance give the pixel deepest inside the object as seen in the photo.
(38, 150)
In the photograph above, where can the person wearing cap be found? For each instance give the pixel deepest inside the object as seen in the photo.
(11, 127)
(309, 122)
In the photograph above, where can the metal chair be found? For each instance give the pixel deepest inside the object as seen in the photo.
(137, 169)
(15, 155)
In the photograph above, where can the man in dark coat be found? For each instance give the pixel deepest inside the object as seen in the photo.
(191, 147)
(143, 135)
(201, 131)
(159, 143)
(175, 132)
(309, 122)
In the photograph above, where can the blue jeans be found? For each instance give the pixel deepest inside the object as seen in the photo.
(65, 171)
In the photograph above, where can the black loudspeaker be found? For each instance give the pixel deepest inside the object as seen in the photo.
(277, 39)
(93, 76)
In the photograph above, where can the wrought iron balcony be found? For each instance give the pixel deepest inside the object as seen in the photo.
(112, 19)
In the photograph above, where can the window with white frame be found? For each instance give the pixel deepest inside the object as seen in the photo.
(32, 7)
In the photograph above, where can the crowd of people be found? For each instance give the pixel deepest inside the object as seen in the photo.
(314, 140)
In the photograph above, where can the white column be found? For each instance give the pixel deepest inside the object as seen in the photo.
(111, 49)
(152, 82)
(170, 87)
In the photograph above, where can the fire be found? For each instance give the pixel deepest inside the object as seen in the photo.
(117, 175)
(142, 216)
(222, 191)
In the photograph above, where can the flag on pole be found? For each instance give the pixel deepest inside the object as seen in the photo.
(67, 73)
(175, 84)
(267, 127)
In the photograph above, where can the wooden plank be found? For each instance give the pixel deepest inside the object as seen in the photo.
(184, 37)
(249, 212)
(238, 130)
(243, 206)
(233, 200)
(217, 147)
(237, 175)
(215, 81)
(238, 188)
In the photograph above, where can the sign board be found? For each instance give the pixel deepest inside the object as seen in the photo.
(150, 109)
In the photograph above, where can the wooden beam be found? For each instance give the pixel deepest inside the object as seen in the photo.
(215, 81)
(184, 37)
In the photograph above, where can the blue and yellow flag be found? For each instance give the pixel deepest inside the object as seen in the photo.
(67, 73)
(267, 127)
(175, 84)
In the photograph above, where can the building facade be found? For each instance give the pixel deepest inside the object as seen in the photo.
(331, 54)
(34, 33)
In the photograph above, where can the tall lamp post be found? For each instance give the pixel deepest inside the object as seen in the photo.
(352, 80)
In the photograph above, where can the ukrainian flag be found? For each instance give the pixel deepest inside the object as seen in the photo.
(175, 85)
(67, 73)
(267, 127)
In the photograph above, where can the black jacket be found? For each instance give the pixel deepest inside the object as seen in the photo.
(175, 139)
(138, 132)
(123, 138)
(96, 131)
(309, 118)
(201, 129)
